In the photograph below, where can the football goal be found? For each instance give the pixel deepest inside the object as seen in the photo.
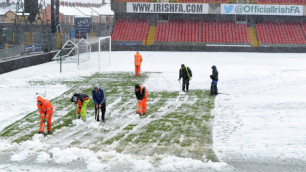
(104, 50)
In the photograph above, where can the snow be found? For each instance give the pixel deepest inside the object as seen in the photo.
(72, 11)
(259, 122)
(265, 110)
(104, 10)
(5, 9)
(87, 11)
(43, 157)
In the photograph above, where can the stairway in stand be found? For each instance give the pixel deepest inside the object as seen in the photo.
(151, 35)
(253, 37)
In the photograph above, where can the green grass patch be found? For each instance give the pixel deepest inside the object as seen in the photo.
(177, 124)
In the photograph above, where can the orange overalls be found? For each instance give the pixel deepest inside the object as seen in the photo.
(142, 104)
(46, 112)
(138, 60)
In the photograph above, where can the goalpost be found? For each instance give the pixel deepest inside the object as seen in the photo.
(77, 51)
(68, 49)
(103, 42)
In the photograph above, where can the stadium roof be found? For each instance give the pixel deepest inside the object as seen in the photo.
(86, 11)
(104, 10)
(71, 11)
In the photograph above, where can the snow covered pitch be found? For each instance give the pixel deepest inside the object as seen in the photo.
(259, 126)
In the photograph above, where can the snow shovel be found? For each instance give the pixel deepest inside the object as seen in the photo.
(97, 115)
(77, 116)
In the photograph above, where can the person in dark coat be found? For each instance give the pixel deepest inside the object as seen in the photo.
(98, 97)
(82, 100)
(142, 97)
(186, 74)
(215, 78)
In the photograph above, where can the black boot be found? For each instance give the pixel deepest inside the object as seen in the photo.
(138, 114)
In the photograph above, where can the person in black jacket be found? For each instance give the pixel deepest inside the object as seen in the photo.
(142, 96)
(186, 74)
(82, 101)
(215, 78)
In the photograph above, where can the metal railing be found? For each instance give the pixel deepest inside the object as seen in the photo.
(12, 52)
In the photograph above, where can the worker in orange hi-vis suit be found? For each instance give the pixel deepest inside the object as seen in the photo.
(142, 97)
(45, 109)
(138, 60)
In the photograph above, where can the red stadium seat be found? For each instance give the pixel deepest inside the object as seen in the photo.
(281, 33)
(130, 30)
(282, 2)
(203, 31)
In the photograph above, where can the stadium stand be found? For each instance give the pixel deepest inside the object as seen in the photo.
(133, 0)
(214, 32)
(280, 33)
(304, 28)
(130, 30)
(202, 31)
(285, 2)
(203, 1)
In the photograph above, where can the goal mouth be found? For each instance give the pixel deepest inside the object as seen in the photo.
(102, 46)
(72, 52)
(84, 50)
(67, 50)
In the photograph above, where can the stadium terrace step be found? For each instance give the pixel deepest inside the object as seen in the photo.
(151, 35)
(253, 37)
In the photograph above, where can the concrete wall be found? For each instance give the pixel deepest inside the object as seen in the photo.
(25, 61)
(198, 48)
(209, 49)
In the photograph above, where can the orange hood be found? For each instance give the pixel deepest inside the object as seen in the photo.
(40, 99)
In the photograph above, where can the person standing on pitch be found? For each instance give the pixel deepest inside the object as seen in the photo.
(45, 109)
(215, 78)
(138, 61)
(82, 101)
(142, 96)
(98, 96)
(186, 74)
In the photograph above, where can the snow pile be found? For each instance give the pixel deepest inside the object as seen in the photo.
(28, 148)
(5, 146)
(176, 164)
(65, 156)
(43, 157)
(134, 162)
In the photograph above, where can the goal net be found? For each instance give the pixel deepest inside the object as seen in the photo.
(68, 53)
(84, 50)
(77, 51)
(104, 50)
(84, 54)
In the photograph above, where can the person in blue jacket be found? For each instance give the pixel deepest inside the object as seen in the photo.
(100, 102)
